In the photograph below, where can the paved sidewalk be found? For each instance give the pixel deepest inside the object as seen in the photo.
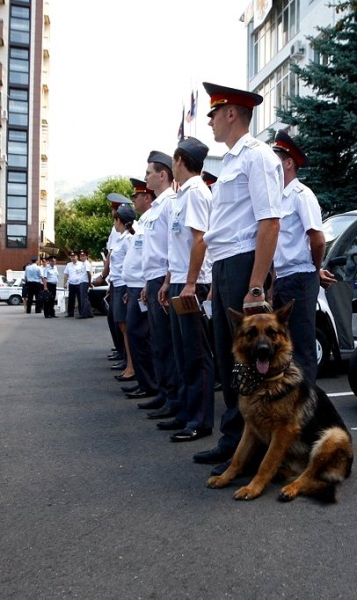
(98, 504)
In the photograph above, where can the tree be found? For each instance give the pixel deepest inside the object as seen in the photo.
(327, 119)
(86, 221)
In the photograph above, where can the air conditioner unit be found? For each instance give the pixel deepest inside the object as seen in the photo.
(297, 49)
(3, 158)
(4, 113)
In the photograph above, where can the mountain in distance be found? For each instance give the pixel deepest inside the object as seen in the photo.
(67, 190)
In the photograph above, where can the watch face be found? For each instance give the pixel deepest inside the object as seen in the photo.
(256, 291)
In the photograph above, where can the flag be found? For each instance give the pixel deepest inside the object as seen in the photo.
(192, 112)
(181, 133)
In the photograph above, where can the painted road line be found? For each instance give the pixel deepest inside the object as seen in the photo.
(341, 394)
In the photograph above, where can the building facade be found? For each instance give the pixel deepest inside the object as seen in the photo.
(26, 203)
(276, 37)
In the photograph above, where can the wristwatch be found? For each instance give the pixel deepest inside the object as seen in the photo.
(256, 291)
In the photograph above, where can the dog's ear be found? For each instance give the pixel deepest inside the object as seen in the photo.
(283, 314)
(236, 317)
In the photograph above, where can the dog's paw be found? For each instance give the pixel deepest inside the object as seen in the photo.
(246, 493)
(216, 482)
(287, 494)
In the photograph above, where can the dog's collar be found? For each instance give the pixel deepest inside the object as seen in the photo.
(246, 379)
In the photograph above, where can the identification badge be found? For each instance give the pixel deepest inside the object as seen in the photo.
(176, 227)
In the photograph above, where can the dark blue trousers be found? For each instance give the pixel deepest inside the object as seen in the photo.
(85, 306)
(304, 289)
(137, 324)
(230, 283)
(194, 363)
(162, 345)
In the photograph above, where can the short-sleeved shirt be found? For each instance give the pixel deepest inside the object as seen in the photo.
(191, 210)
(86, 268)
(33, 273)
(51, 274)
(133, 274)
(117, 256)
(74, 272)
(248, 189)
(300, 213)
(155, 241)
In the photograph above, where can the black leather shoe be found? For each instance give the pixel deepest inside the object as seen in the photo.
(140, 393)
(151, 404)
(130, 388)
(219, 469)
(214, 456)
(189, 435)
(115, 356)
(69, 316)
(120, 366)
(124, 379)
(162, 413)
(170, 425)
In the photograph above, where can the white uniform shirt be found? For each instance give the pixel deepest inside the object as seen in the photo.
(300, 212)
(51, 274)
(155, 241)
(33, 273)
(133, 274)
(249, 189)
(117, 259)
(113, 238)
(86, 268)
(74, 272)
(191, 208)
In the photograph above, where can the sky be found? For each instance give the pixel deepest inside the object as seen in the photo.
(121, 71)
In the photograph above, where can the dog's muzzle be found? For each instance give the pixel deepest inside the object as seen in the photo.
(245, 379)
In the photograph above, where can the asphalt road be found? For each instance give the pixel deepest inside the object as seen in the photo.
(98, 504)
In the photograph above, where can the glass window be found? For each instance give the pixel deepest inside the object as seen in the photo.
(275, 91)
(16, 176)
(14, 160)
(17, 147)
(17, 136)
(16, 78)
(18, 120)
(20, 12)
(19, 189)
(19, 37)
(16, 201)
(16, 236)
(14, 214)
(280, 27)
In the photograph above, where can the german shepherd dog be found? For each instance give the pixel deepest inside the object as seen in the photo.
(286, 416)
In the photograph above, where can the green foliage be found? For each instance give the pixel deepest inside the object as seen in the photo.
(86, 221)
(327, 119)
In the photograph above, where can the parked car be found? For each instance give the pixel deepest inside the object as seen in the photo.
(97, 297)
(11, 293)
(336, 315)
(352, 372)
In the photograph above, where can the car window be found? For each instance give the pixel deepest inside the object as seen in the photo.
(335, 226)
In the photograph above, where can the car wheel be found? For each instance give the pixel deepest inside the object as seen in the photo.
(323, 351)
(14, 300)
(352, 372)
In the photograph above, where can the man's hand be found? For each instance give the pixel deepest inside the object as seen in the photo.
(162, 294)
(188, 296)
(326, 278)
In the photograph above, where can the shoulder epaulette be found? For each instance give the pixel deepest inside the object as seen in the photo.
(252, 143)
(298, 188)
